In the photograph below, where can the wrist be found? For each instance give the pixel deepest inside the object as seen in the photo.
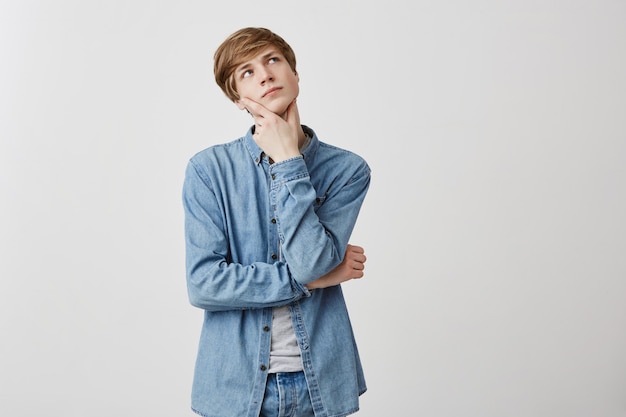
(283, 156)
(310, 286)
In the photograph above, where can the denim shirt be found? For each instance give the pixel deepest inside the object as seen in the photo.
(255, 234)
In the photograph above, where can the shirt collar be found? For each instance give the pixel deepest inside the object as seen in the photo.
(255, 151)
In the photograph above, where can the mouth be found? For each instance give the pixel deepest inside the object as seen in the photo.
(270, 91)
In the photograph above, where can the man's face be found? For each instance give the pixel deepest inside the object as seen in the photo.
(267, 79)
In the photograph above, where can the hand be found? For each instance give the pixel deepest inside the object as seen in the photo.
(351, 267)
(277, 136)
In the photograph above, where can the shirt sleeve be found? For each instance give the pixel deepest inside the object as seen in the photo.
(314, 241)
(214, 283)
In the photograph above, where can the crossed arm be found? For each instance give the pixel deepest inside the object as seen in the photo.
(352, 267)
(279, 137)
(220, 279)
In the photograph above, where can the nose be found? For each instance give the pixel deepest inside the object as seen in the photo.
(265, 75)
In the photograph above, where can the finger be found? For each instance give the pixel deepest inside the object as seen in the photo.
(355, 249)
(256, 109)
(358, 257)
(257, 126)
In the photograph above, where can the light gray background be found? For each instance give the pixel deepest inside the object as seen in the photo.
(494, 226)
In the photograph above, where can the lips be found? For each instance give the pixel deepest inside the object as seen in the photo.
(271, 90)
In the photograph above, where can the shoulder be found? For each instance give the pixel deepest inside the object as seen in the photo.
(218, 152)
(216, 158)
(344, 158)
(334, 151)
(211, 163)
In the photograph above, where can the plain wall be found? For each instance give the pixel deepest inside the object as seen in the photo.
(494, 225)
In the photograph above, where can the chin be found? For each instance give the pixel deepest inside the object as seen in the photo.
(279, 109)
(280, 105)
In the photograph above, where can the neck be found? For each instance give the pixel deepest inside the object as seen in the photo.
(301, 135)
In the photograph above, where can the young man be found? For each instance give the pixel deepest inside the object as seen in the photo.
(267, 223)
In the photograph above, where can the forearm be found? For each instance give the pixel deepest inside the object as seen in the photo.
(222, 272)
(216, 285)
(314, 240)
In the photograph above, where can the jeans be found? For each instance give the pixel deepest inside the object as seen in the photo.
(286, 395)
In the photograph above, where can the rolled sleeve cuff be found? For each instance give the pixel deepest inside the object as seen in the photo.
(288, 170)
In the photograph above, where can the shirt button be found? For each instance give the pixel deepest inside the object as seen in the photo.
(256, 160)
(273, 176)
(263, 367)
(266, 328)
(274, 256)
(274, 221)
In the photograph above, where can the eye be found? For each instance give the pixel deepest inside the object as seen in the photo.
(246, 73)
(273, 60)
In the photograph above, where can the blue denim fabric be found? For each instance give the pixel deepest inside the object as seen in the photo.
(255, 234)
(286, 395)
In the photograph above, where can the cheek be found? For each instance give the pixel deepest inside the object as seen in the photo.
(242, 89)
(294, 86)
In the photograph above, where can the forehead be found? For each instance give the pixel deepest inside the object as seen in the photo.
(259, 55)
